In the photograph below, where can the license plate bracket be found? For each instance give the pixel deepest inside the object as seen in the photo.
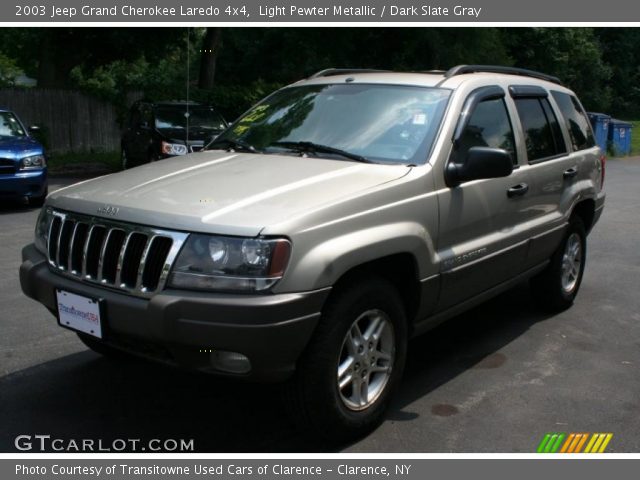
(80, 313)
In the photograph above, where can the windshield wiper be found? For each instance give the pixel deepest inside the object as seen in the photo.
(310, 147)
(233, 144)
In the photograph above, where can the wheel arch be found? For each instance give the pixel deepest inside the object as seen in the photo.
(399, 269)
(585, 210)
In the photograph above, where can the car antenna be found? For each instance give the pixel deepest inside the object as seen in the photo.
(188, 79)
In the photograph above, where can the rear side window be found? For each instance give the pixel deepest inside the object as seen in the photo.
(543, 137)
(576, 121)
(489, 126)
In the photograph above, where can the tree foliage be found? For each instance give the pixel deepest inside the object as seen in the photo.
(9, 71)
(235, 67)
(575, 55)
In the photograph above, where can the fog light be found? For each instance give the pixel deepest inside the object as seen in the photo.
(231, 362)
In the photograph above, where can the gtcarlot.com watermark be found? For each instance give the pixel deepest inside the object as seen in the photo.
(47, 443)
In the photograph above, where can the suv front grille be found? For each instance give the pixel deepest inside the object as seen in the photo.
(123, 256)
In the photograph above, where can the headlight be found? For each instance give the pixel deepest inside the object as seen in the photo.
(174, 148)
(30, 163)
(42, 230)
(230, 263)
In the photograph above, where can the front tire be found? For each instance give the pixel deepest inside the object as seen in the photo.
(556, 287)
(346, 377)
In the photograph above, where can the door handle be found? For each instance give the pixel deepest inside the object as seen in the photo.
(518, 190)
(570, 173)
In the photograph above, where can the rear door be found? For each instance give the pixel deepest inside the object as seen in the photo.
(555, 161)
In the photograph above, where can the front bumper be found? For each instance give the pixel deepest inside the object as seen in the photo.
(177, 326)
(24, 184)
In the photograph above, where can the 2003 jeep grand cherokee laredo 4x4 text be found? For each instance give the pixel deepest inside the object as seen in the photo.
(337, 218)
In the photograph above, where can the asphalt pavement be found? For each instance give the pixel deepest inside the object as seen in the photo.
(495, 379)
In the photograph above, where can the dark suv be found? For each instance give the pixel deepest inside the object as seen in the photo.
(166, 129)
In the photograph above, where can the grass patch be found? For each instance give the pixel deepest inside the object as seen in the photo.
(635, 137)
(89, 161)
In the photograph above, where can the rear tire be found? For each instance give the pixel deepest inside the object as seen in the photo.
(556, 287)
(353, 364)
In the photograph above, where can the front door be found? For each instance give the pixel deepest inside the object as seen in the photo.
(483, 235)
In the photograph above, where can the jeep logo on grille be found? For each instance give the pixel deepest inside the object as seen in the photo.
(108, 210)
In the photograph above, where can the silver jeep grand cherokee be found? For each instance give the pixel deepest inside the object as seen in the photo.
(333, 221)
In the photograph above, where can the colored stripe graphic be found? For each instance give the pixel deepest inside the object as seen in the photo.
(582, 442)
(570, 438)
(574, 442)
(598, 443)
(543, 443)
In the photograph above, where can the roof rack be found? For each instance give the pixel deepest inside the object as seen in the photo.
(329, 72)
(462, 69)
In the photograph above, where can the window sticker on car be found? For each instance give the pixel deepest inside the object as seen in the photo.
(419, 119)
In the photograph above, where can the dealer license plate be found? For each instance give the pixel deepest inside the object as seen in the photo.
(79, 313)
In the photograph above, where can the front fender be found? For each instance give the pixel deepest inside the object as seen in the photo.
(322, 265)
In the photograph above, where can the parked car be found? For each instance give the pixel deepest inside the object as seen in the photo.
(23, 164)
(339, 217)
(157, 130)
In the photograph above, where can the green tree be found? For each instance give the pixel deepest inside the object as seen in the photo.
(8, 71)
(572, 54)
(621, 48)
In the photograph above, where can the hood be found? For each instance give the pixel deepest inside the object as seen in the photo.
(222, 192)
(19, 147)
(196, 135)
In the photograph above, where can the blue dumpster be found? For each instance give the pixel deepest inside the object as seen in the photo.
(600, 124)
(620, 137)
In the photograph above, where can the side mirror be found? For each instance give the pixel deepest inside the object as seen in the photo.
(481, 162)
(34, 129)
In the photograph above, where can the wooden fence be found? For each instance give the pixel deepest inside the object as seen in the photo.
(72, 121)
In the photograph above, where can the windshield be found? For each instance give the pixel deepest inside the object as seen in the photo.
(199, 118)
(384, 123)
(10, 126)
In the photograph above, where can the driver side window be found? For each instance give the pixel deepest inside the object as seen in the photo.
(489, 126)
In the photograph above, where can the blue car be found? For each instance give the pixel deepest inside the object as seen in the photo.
(23, 166)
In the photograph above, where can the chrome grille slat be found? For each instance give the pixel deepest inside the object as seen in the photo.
(66, 236)
(113, 247)
(58, 242)
(132, 258)
(96, 241)
(123, 250)
(154, 272)
(116, 255)
(78, 246)
(84, 251)
(103, 250)
(143, 261)
(54, 233)
(71, 245)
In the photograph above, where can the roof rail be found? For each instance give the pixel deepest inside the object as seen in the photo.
(462, 69)
(329, 72)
